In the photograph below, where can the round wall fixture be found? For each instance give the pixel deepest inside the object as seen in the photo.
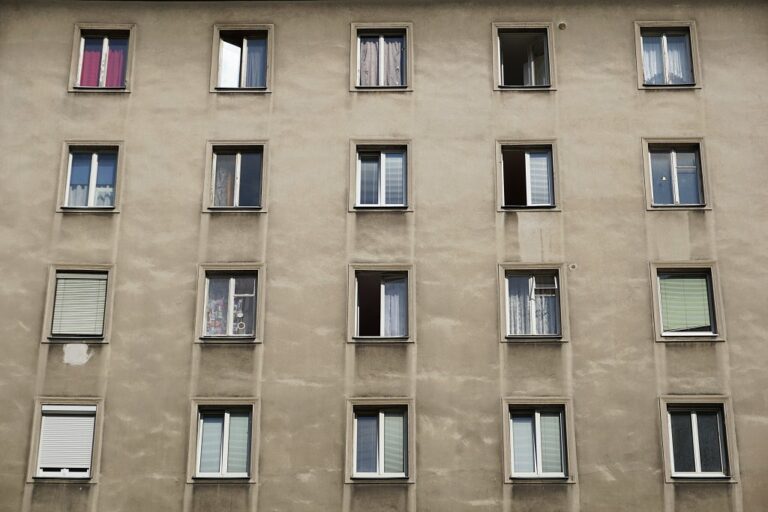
(562, 25)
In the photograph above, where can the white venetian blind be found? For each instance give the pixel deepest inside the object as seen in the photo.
(539, 168)
(685, 302)
(394, 442)
(79, 305)
(237, 457)
(66, 440)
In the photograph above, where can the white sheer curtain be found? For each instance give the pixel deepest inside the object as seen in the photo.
(395, 306)
(679, 59)
(394, 168)
(653, 60)
(519, 304)
(393, 60)
(369, 60)
(539, 172)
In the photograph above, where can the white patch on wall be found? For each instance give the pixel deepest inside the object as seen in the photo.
(76, 354)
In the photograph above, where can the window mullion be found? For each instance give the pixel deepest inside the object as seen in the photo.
(382, 178)
(528, 178)
(380, 461)
(359, 179)
(199, 439)
(531, 66)
(359, 49)
(236, 192)
(382, 319)
(80, 61)
(69, 181)
(381, 59)
(665, 57)
(205, 307)
(230, 305)
(506, 311)
(104, 57)
(243, 62)
(537, 443)
(532, 304)
(224, 445)
(92, 179)
(696, 450)
(675, 186)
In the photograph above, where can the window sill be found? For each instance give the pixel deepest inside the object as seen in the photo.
(235, 209)
(523, 88)
(382, 88)
(515, 209)
(62, 480)
(381, 340)
(98, 210)
(541, 480)
(204, 480)
(685, 480)
(534, 339)
(227, 340)
(241, 90)
(99, 90)
(714, 338)
(682, 87)
(380, 209)
(379, 480)
(88, 340)
(685, 207)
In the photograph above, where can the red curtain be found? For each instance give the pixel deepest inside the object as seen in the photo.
(91, 66)
(116, 61)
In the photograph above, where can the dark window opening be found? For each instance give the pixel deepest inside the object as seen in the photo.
(524, 56)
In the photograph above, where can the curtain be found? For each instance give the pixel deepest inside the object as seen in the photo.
(546, 305)
(539, 174)
(679, 64)
(250, 179)
(79, 304)
(210, 444)
(216, 306)
(117, 59)
(229, 62)
(91, 61)
(237, 454)
(653, 60)
(79, 179)
(523, 448)
(551, 442)
(661, 177)
(395, 306)
(224, 183)
(394, 442)
(106, 170)
(256, 62)
(369, 179)
(244, 306)
(518, 288)
(394, 178)
(688, 185)
(393, 60)
(367, 445)
(685, 303)
(369, 60)
(682, 441)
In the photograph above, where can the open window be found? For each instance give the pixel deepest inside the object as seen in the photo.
(242, 58)
(527, 176)
(381, 304)
(524, 56)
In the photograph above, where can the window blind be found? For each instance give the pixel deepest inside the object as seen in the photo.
(394, 442)
(685, 302)
(539, 170)
(394, 178)
(237, 455)
(551, 442)
(66, 440)
(79, 304)
(523, 454)
(210, 444)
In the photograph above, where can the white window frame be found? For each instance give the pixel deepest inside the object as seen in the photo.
(710, 301)
(673, 171)
(550, 171)
(532, 301)
(538, 473)
(236, 194)
(380, 445)
(665, 53)
(382, 178)
(66, 410)
(403, 57)
(382, 319)
(91, 180)
(231, 295)
(103, 65)
(224, 443)
(696, 447)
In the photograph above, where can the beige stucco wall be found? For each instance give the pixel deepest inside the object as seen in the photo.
(457, 371)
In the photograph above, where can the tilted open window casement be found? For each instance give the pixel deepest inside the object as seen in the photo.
(230, 304)
(237, 177)
(527, 177)
(223, 443)
(537, 437)
(381, 309)
(91, 178)
(697, 442)
(533, 303)
(686, 301)
(242, 60)
(66, 441)
(381, 58)
(103, 60)
(79, 305)
(380, 443)
(667, 57)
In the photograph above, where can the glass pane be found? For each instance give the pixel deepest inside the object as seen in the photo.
(688, 183)
(230, 52)
(682, 442)
(367, 444)
(369, 60)
(79, 178)
(245, 285)
(710, 441)
(685, 302)
(369, 179)
(105, 179)
(395, 306)
(653, 60)
(519, 290)
(117, 60)
(394, 62)
(243, 315)
(250, 179)
(394, 442)
(90, 69)
(540, 176)
(237, 456)
(256, 62)
(394, 178)
(217, 305)
(523, 454)
(679, 63)
(551, 442)
(661, 178)
(224, 184)
(210, 446)
(538, 58)
(547, 311)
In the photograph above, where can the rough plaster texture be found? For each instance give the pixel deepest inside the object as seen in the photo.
(457, 371)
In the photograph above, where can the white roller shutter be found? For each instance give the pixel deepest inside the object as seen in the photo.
(66, 441)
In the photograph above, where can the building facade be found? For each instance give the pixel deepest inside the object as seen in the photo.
(383, 256)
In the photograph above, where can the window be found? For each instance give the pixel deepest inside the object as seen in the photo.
(676, 176)
(230, 304)
(381, 177)
(91, 178)
(527, 176)
(667, 56)
(381, 304)
(537, 437)
(523, 55)
(686, 302)
(103, 61)
(66, 441)
(79, 304)
(223, 442)
(381, 58)
(242, 59)
(697, 438)
(237, 176)
(380, 442)
(533, 303)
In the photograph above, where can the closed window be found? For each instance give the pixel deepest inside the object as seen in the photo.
(230, 304)
(91, 178)
(381, 58)
(676, 175)
(381, 308)
(527, 176)
(66, 441)
(380, 444)
(667, 56)
(697, 441)
(79, 305)
(381, 177)
(537, 438)
(686, 302)
(242, 59)
(103, 59)
(533, 303)
(523, 57)
(237, 176)
(223, 442)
